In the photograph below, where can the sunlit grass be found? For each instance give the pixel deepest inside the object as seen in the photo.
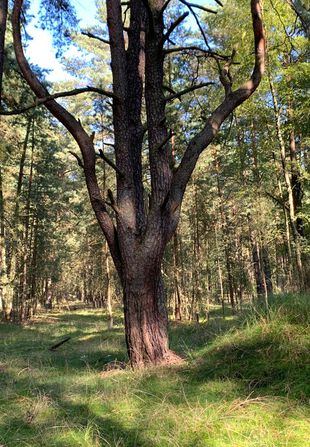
(245, 383)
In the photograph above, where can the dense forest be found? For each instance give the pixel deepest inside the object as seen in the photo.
(155, 195)
(244, 223)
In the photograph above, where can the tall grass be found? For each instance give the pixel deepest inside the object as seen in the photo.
(245, 383)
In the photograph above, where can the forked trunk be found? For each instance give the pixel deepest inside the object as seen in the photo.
(138, 71)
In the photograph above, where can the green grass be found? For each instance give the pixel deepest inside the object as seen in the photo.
(245, 383)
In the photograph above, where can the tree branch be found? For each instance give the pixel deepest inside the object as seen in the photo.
(279, 200)
(74, 92)
(110, 163)
(80, 163)
(165, 6)
(225, 76)
(188, 90)
(203, 8)
(173, 27)
(77, 131)
(189, 6)
(112, 203)
(93, 36)
(196, 48)
(231, 101)
(165, 141)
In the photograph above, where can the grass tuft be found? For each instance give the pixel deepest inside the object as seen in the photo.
(245, 383)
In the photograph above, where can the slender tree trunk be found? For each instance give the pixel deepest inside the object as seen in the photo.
(176, 265)
(3, 18)
(5, 289)
(267, 270)
(220, 274)
(26, 252)
(257, 265)
(223, 220)
(288, 183)
(230, 280)
(108, 290)
(15, 271)
(296, 183)
(33, 292)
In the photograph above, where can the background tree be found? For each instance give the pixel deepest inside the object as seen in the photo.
(138, 240)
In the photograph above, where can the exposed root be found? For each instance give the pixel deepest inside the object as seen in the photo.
(116, 367)
(172, 359)
(112, 368)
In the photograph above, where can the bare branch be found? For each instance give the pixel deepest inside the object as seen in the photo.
(231, 101)
(80, 163)
(189, 6)
(110, 163)
(165, 6)
(225, 76)
(207, 53)
(54, 347)
(203, 8)
(278, 200)
(169, 89)
(77, 131)
(74, 92)
(165, 141)
(112, 202)
(93, 36)
(188, 90)
(173, 27)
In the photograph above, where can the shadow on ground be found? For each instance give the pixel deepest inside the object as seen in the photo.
(61, 399)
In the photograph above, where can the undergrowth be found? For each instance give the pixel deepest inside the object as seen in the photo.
(245, 382)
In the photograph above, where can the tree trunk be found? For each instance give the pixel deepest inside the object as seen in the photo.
(288, 183)
(138, 239)
(3, 17)
(176, 266)
(220, 274)
(145, 314)
(108, 290)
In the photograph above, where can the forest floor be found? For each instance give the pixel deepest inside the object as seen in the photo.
(245, 383)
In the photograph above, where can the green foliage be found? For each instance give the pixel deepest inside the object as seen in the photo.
(59, 17)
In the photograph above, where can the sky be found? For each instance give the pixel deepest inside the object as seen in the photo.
(40, 50)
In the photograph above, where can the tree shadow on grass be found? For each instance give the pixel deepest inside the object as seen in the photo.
(187, 338)
(91, 407)
(260, 364)
(87, 429)
(68, 423)
(24, 345)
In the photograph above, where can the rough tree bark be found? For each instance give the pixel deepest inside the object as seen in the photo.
(3, 19)
(139, 233)
(3, 279)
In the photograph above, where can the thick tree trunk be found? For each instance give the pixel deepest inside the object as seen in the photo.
(138, 239)
(145, 315)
